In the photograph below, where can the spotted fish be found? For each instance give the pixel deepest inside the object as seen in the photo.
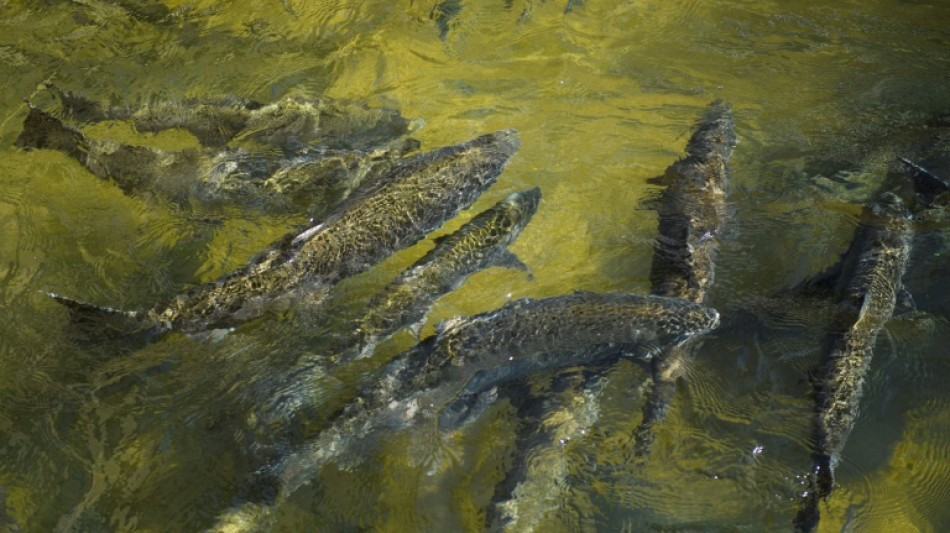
(866, 285)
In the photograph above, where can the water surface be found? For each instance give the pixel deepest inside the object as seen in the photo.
(604, 95)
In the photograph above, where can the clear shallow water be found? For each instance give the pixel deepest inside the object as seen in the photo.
(155, 439)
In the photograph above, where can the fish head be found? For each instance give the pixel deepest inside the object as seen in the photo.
(467, 169)
(688, 319)
(516, 211)
(502, 143)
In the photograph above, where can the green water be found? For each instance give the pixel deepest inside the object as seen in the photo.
(104, 438)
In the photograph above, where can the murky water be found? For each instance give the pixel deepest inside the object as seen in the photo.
(604, 94)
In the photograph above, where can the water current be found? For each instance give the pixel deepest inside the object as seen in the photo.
(604, 93)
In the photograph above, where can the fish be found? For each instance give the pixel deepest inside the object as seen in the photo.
(411, 199)
(692, 210)
(289, 124)
(270, 180)
(417, 383)
(865, 284)
(478, 244)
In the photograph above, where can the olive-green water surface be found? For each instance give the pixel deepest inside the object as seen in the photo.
(604, 93)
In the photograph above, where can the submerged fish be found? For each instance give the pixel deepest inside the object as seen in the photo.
(691, 208)
(411, 199)
(866, 285)
(480, 243)
(419, 382)
(692, 211)
(291, 123)
(266, 179)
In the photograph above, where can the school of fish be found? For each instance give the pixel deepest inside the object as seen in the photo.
(369, 191)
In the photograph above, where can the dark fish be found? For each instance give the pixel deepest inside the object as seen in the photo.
(411, 199)
(480, 243)
(270, 180)
(866, 285)
(419, 382)
(291, 123)
(691, 208)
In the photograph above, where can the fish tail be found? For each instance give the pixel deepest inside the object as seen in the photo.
(42, 130)
(808, 514)
(97, 323)
(77, 107)
(820, 483)
(655, 411)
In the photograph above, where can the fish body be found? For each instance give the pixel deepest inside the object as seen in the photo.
(267, 179)
(419, 382)
(478, 244)
(411, 199)
(692, 208)
(290, 123)
(561, 323)
(866, 285)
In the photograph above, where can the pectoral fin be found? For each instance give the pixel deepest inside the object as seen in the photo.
(905, 303)
(507, 259)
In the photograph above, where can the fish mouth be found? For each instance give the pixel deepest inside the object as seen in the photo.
(527, 200)
(503, 142)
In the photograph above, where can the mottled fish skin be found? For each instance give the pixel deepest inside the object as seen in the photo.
(692, 210)
(269, 180)
(413, 198)
(291, 123)
(866, 284)
(419, 382)
(561, 323)
(478, 244)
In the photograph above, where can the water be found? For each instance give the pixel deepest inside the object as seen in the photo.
(118, 438)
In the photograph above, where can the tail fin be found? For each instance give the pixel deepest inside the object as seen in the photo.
(928, 186)
(102, 323)
(78, 107)
(44, 131)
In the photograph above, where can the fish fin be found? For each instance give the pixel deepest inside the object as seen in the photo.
(42, 130)
(415, 329)
(101, 322)
(663, 179)
(905, 302)
(466, 408)
(651, 201)
(77, 107)
(507, 259)
(822, 283)
(927, 185)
